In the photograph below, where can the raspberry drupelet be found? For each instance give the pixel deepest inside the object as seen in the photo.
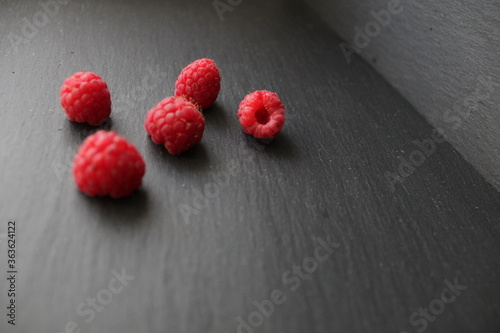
(85, 98)
(262, 114)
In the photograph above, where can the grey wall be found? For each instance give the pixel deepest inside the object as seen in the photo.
(443, 57)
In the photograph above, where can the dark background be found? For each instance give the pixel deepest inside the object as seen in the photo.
(323, 177)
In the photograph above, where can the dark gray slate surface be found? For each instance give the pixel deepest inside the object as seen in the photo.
(442, 56)
(323, 178)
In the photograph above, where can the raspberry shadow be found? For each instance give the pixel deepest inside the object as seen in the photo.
(216, 117)
(129, 210)
(77, 132)
(193, 160)
(281, 147)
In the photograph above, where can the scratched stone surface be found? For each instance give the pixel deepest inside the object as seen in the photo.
(332, 227)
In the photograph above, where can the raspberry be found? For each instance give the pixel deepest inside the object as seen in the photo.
(176, 123)
(262, 114)
(85, 98)
(199, 83)
(107, 164)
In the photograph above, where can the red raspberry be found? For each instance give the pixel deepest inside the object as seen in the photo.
(107, 164)
(199, 83)
(262, 114)
(176, 123)
(85, 98)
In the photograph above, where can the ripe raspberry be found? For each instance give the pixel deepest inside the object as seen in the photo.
(85, 98)
(107, 164)
(262, 114)
(199, 83)
(176, 123)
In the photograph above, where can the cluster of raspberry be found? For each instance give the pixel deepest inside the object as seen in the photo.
(107, 164)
